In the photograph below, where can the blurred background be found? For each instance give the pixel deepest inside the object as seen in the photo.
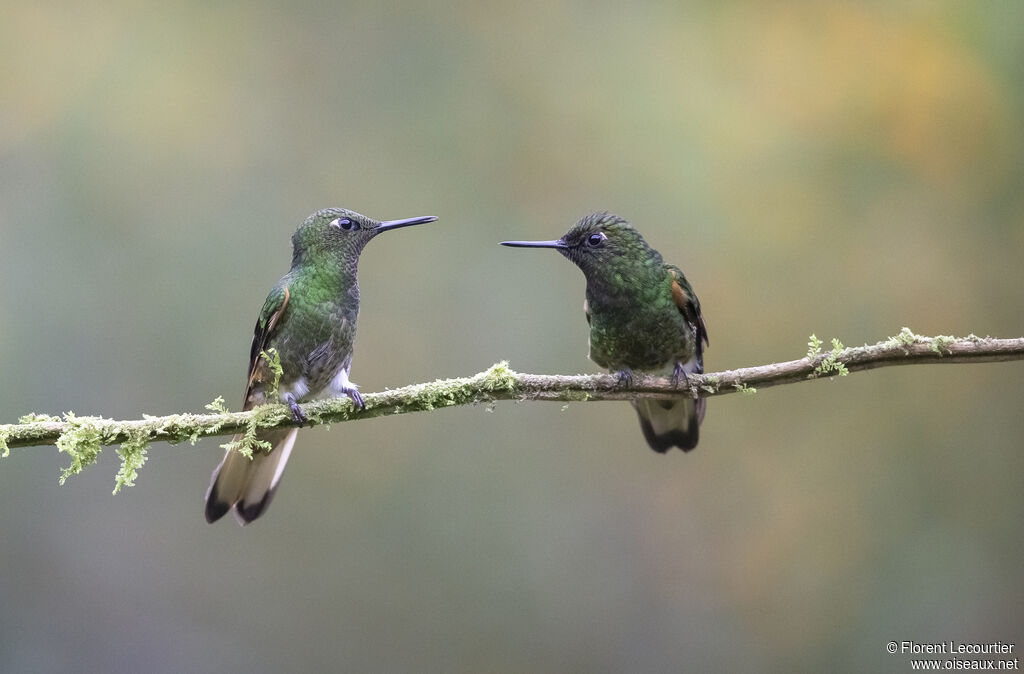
(841, 169)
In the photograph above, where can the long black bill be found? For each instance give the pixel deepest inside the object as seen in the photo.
(557, 243)
(408, 222)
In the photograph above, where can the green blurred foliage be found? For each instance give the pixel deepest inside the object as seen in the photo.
(838, 168)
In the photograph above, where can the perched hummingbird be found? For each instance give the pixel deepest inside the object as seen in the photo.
(643, 316)
(310, 319)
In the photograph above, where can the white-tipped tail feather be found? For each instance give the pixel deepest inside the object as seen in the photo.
(247, 486)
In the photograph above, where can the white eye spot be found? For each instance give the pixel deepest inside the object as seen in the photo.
(343, 223)
(596, 239)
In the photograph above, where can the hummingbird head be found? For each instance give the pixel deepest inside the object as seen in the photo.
(599, 244)
(333, 231)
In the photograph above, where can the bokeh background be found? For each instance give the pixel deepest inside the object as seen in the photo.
(844, 169)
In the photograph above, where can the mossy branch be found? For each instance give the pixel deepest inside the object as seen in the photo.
(82, 437)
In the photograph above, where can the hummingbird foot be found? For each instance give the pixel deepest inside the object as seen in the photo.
(679, 372)
(355, 397)
(624, 377)
(341, 386)
(297, 413)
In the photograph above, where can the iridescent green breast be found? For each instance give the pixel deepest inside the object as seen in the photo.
(637, 328)
(316, 334)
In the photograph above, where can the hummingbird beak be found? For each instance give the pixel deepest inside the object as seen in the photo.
(408, 222)
(557, 243)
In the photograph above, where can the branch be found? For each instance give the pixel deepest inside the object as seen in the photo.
(83, 437)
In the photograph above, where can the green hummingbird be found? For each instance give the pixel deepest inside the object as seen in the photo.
(309, 318)
(643, 316)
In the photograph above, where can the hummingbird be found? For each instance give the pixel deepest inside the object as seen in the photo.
(309, 318)
(643, 317)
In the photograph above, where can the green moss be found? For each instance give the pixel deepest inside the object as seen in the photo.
(710, 383)
(178, 428)
(941, 343)
(273, 359)
(906, 338)
(248, 442)
(499, 377)
(33, 418)
(5, 451)
(830, 364)
(133, 455)
(743, 389)
(218, 406)
(439, 393)
(813, 347)
(82, 441)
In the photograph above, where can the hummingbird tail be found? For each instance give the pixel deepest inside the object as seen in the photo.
(670, 423)
(248, 485)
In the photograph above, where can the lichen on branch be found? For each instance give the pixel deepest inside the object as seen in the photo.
(83, 437)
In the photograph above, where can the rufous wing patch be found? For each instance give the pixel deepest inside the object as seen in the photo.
(679, 295)
(258, 366)
(276, 315)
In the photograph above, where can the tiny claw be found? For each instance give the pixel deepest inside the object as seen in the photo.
(624, 377)
(356, 397)
(297, 413)
(679, 371)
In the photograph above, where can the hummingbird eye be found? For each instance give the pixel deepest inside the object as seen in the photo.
(596, 239)
(343, 223)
